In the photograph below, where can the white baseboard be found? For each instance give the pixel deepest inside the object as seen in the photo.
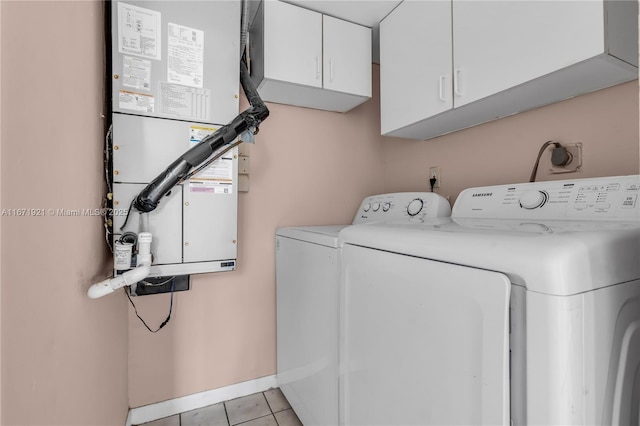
(171, 407)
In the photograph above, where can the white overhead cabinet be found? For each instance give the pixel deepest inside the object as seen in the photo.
(415, 63)
(448, 65)
(346, 57)
(304, 58)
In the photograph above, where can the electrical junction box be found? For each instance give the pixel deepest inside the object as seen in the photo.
(174, 80)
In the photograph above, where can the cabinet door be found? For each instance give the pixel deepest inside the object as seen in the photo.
(502, 44)
(292, 44)
(347, 57)
(415, 63)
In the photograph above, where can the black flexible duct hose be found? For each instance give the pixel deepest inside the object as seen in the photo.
(149, 198)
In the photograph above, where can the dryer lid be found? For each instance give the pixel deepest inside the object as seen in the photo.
(551, 257)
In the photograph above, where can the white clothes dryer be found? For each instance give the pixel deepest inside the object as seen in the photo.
(307, 282)
(524, 309)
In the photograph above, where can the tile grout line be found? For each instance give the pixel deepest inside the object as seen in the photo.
(273, 414)
(226, 413)
(267, 399)
(264, 394)
(261, 417)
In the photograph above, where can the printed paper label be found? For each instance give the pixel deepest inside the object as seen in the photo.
(136, 73)
(217, 178)
(185, 102)
(139, 31)
(134, 101)
(185, 55)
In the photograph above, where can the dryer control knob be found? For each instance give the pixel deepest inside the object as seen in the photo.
(366, 207)
(386, 206)
(533, 199)
(376, 207)
(415, 207)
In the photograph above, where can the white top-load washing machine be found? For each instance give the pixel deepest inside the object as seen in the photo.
(523, 309)
(307, 281)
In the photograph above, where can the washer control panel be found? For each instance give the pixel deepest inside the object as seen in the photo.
(610, 198)
(414, 206)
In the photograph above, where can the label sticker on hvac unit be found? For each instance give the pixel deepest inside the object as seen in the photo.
(217, 178)
(135, 101)
(184, 102)
(139, 31)
(136, 73)
(185, 55)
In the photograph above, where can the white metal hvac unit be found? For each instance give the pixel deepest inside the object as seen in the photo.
(175, 79)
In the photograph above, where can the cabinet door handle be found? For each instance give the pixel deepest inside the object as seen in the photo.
(441, 88)
(456, 81)
(330, 69)
(317, 67)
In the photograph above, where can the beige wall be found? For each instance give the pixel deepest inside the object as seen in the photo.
(504, 151)
(64, 357)
(307, 167)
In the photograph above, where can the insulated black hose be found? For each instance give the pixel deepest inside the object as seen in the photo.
(149, 198)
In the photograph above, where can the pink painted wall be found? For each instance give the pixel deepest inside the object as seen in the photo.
(69, 360)
(308, 167)
(64, 357)
(504, 151)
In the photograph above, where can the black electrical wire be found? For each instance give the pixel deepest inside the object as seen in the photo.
(532, 178)
(173, 282)
(129, 237)
(126, 219)
(106, 203)
(150, 284)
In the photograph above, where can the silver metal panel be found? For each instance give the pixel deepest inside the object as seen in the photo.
(175, 75)
(211, 219)
(193, 268)
(144, 147)
(164, 223)
(141, 66)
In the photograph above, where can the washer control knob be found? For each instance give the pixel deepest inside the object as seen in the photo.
(415, 207)
(533, 199)
(366, 207)
(376, 207)
(386, 206)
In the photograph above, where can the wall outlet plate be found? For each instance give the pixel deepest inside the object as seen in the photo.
(575, 150)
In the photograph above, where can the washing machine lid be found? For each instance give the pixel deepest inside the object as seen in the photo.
(323, 235)
(551, 257)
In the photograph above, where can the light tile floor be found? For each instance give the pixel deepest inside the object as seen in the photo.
(269, 408)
